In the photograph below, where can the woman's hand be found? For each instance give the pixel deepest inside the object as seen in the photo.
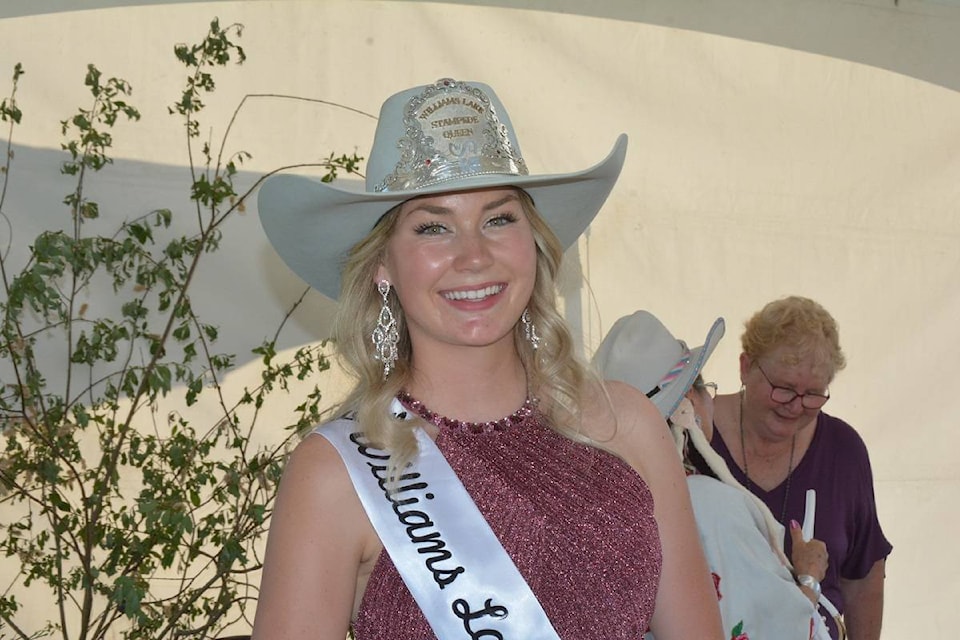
(810, 558)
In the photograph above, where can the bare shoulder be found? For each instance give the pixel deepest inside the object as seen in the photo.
(623, 420)
(319, 549)
(630, 426)
(314, 459)
(317, 489)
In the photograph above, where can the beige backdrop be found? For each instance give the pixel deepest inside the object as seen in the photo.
(757, 167)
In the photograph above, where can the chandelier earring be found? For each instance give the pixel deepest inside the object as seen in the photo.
(385, 336)
(530, 330)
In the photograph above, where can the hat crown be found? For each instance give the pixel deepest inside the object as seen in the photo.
(640, 351)
(446, 131)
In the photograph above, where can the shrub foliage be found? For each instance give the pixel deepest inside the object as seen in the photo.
(135, 521)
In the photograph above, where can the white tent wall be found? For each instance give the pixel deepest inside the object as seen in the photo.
(754, 171)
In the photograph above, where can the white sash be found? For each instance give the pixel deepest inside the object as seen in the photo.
(451, 561)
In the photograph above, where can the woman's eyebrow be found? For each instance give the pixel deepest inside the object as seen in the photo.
(499, 203)
(438, 210)
(430, 208)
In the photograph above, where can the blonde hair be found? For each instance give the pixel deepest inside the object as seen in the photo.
(554, 375)
(802, 326)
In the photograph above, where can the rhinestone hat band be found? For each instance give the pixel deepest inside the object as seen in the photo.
(451, 131)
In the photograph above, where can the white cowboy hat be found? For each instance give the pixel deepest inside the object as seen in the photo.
(437, 138)
(642, 352)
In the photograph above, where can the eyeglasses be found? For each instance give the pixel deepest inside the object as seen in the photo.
(786, 395)
(709, 387)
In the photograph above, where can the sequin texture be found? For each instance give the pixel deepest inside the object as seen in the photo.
(577, 521)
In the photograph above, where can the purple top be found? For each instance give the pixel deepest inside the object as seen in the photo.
(577, 522)
(837, 465)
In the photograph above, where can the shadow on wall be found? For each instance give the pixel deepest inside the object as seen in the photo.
(244, 279)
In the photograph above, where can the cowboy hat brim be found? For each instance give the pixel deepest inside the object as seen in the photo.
(313, 224)
(640, 351)
(669, 398)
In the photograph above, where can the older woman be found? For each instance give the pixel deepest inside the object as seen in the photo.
(479, 484)
(779, 442)
(757, 592)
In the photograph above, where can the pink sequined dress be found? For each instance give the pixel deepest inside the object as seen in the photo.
(577, 522)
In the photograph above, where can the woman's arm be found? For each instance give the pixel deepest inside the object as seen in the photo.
(686, 604)
(863, 603)
(319, 539)
(809, 558)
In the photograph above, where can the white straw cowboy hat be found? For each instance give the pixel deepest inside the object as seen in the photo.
(446, 136)
(642, 352)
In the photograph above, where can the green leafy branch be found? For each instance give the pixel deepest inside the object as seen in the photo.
(133, 518)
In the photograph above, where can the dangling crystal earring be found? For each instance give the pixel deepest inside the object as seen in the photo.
(385, 337)
(529, 330)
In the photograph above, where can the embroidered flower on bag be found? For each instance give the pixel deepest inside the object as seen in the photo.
(716, 585)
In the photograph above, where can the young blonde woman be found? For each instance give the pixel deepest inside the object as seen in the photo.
(478, 484)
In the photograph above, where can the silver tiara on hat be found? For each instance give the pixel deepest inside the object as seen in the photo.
(451, 131)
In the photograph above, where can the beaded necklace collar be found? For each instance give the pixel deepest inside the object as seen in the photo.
(527, 414)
